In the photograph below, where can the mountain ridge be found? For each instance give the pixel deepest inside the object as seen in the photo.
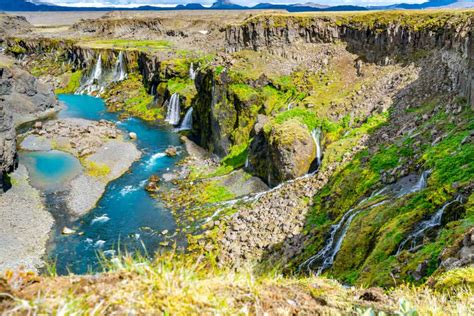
(25, 5)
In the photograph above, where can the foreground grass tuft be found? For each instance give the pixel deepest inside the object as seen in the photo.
(185, 285)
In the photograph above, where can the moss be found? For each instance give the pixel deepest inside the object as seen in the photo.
(213, 192)
(184, 87)
(304, 116)
(73, 83)
(131, 96)
(244, 92)
(237, 156)
(96, 170)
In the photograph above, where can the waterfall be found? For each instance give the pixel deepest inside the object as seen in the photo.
(97, 72)
(247, 162)
(172, 115)
(420, 184)
(422, 227)
(93, 83)
(333, 243)
(192, 73)
(120, 73)
(316, 134)
(187, 123)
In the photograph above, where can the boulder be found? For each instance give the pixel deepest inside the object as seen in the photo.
(154, 178)
(68, 231)
(171, 151)
(152, 187)
(281, 152)
(132, 135)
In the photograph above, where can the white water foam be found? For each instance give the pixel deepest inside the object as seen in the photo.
(100, 219)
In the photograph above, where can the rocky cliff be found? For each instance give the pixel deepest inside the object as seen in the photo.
(383, 39)
(22, 98)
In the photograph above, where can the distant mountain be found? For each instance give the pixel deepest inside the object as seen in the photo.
(424, 5)
(190, 6)
(226, 5)
(37, 5)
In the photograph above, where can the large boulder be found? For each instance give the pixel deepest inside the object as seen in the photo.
(24, 96)
(281, 152)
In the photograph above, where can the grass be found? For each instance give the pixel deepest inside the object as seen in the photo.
(139, 45)
(183, 285)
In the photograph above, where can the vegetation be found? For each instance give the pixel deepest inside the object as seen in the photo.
(125, 44)
(180, 285)
(73, 83)
(131, 96)
(96, 170)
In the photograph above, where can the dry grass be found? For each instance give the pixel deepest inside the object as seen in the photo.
(184, 285)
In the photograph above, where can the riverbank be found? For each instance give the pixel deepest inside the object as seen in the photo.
(25, 225)
(100, 147)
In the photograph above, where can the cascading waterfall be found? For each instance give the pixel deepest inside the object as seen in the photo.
(192, 72)
(120, 72)
(93, 83)
(420, 185)
(316, 134)
(421, 228)
(325, 257)
(172, 115)
(187, 123)
(333, 243)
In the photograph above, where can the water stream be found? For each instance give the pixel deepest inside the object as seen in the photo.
(126, 217)
(325, 257)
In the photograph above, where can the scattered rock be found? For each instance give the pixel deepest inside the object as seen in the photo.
(68, 231)
(171, 151)
(154, 178)
(152, 187)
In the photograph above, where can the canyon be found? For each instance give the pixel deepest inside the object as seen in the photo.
(333, 144)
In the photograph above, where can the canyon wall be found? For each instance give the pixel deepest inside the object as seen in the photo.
(398, 39)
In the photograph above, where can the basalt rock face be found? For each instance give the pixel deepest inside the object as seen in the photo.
(8, 158)
(217, 115)
(376, 41)
(282, 153)
(23, 96)
(120, 28)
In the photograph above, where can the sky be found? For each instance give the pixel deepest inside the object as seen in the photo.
(136, 3)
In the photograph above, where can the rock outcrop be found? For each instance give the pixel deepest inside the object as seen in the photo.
(11, 25)
(22, 98)
(8, 157)
(282, 153)
(376, 39)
